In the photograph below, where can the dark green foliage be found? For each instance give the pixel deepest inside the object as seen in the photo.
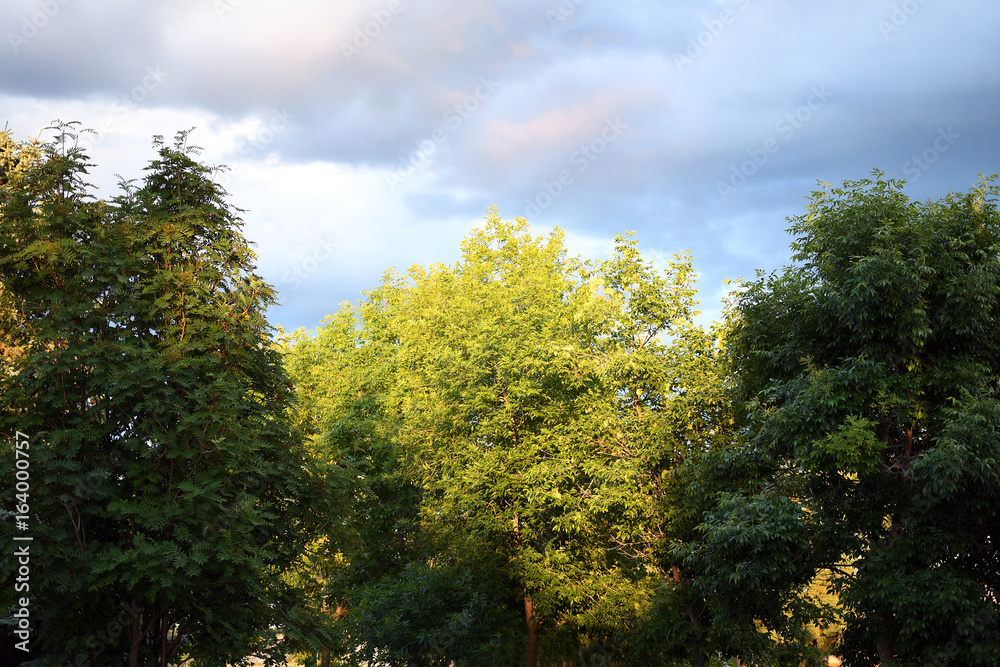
(168, 490)
(436, 614)
(868, 372)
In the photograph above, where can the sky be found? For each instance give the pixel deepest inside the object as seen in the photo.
(372, 134)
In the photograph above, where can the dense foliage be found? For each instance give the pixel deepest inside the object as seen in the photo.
(523, 457)
(168, 492)
(868, 371)
(515, 412)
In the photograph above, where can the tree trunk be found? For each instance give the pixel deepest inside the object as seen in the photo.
(529, 616)
(883, 644)
(698, 658)
(164, 633)
(324, 660)
(884, 649)
(134, 637)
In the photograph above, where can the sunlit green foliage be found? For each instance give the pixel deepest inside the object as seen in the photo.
(507, 417)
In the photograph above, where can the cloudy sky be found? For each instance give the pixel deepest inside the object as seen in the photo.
(375, 133)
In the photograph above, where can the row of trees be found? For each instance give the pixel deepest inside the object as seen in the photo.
(818, 472)
(520, 458)
(511, 421)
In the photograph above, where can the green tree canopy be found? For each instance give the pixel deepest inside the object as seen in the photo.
(168, 491)
(867, 372)
(517, 401)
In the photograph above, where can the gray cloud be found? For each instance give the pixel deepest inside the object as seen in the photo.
(435, 111)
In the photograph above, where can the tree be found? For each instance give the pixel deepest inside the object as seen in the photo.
(341, 375)
(169, 491)
(696, 425)
(867, 373)
(520, 394)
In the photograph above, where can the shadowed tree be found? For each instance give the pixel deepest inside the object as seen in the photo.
(169, 491)
(867, 372)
